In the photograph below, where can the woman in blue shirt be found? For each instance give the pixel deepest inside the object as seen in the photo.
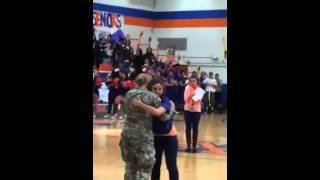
(165, 134)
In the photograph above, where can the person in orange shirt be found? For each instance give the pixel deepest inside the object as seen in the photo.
(165, 134)
(192, 114)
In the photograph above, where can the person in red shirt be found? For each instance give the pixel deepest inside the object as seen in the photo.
(96, 85)
(113, 93)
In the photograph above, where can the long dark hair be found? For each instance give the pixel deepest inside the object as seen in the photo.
(197, 80)
(140, 52)
(133, 75)
(156, 81)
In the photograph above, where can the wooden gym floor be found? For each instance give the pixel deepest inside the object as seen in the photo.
(208, 164)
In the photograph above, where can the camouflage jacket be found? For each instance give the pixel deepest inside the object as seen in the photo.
(138, 124)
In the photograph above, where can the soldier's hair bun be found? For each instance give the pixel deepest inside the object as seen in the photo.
(142, 79)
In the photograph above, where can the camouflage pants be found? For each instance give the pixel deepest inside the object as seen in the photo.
(139, 159)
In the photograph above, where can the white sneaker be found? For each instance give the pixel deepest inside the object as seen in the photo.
(114, 117)
(121, 117)
(107, 116)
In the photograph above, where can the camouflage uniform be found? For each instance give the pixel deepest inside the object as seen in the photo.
(137, 144)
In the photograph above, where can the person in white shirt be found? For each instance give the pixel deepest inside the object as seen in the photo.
(210, 88)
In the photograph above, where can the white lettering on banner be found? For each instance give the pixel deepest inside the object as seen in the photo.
(107, 21)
